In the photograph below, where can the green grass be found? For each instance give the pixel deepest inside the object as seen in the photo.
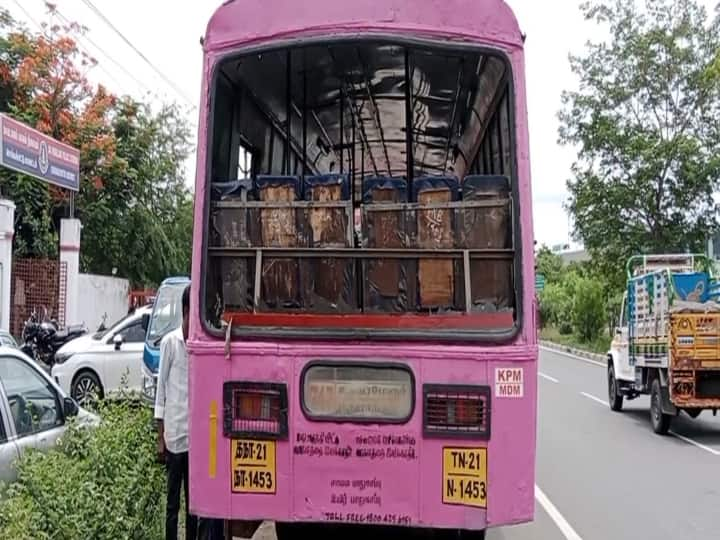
(598, 346)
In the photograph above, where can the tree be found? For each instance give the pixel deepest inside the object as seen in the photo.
(646, 122)
(588, 310)
(135, 207)
(548, 264)
(148, 201)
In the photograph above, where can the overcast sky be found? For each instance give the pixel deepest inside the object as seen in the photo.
(168, 36)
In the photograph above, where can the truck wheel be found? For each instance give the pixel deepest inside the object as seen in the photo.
(660, 421)
(615, 398)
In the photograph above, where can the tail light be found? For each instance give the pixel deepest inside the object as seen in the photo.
(456, 411)
(255, 409)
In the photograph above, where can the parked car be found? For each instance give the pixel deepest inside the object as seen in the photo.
(101, 364)
(34, 410)
(6, 340)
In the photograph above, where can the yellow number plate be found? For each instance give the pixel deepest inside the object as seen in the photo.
(465, 476)
(253, 466)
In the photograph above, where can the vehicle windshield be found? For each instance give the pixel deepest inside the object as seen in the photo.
(167, 313)
(97, 336)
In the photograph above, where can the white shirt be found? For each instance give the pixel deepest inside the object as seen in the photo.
(171, 398)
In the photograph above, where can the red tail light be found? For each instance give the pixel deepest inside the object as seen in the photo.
(457, 411)
(252, 409)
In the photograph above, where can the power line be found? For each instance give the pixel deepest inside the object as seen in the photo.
(27, 14)
(80, 37)
(170, 83)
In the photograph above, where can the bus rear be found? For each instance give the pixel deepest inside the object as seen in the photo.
(362, 345)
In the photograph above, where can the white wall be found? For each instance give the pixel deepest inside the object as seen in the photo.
(101, 295)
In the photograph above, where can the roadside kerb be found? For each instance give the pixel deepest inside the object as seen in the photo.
(572, 350)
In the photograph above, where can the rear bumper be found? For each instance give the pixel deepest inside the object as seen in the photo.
(695, 388)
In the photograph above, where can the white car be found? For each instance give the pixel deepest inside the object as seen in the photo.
(103, 363)
(34, 411)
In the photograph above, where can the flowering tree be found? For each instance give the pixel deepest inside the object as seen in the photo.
(132, 193)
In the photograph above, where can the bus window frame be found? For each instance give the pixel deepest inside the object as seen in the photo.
(489, 335)
(357, 364)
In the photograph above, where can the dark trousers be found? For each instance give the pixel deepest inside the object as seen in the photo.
(178, 473)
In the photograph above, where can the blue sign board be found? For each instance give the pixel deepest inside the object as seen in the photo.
(28, 151)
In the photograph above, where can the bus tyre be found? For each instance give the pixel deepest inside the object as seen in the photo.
(660, 421)
(615, 398)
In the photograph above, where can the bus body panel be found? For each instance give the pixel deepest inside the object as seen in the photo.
(398, 476)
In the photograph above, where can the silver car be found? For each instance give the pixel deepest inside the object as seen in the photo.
(33, 410)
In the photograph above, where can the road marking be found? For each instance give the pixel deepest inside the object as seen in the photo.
(597, 399)
(695, 443)
(681, 437)
(562, 524)
(548, 377)
(574, 356)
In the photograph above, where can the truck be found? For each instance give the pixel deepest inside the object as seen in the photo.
(667, 344)
(166, 316)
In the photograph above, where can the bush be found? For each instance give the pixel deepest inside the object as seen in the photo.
(555, 305)
(101, 483)
(589, 309)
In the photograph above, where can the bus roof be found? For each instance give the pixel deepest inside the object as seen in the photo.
(239, 22)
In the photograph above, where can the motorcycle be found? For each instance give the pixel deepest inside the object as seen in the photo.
(42, 338)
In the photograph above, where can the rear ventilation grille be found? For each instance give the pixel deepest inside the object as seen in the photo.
(255, 410)
(456, 411)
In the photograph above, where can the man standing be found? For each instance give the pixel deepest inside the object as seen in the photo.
(171, 413)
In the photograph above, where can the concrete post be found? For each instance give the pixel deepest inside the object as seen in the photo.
(7, 231)
(70, 255)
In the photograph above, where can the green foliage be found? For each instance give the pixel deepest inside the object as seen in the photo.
(556, 306)
(101, 483)
(588, 312)
(644, 121)
(548, 264)
(598, 346)
(133, 202)
(148, 200)
(578, 305)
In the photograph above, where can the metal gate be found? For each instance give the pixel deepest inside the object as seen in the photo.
(37, 284)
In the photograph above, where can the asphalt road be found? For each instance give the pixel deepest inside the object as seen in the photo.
(606, 476)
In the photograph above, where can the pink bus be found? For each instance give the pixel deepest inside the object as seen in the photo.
(363, 349)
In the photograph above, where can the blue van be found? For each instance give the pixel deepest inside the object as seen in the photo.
(166, 316)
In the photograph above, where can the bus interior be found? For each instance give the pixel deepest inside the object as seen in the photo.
(365, 177)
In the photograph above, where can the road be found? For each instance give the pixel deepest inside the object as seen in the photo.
(603, 475)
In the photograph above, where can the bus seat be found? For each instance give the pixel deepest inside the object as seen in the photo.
(480, 186)
(487, 227)
(232, 190)
(230, 229)
(329, 284)
(378, 189)
(423, 184)
(434, 230)
(389, 285)
(278, 227)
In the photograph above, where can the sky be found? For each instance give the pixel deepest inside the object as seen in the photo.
(171, 45)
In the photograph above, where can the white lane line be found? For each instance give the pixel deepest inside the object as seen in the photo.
(677, 435)
(562, 524)
(548, 377)
(574, 357)
(596, 399)
(695, 443)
